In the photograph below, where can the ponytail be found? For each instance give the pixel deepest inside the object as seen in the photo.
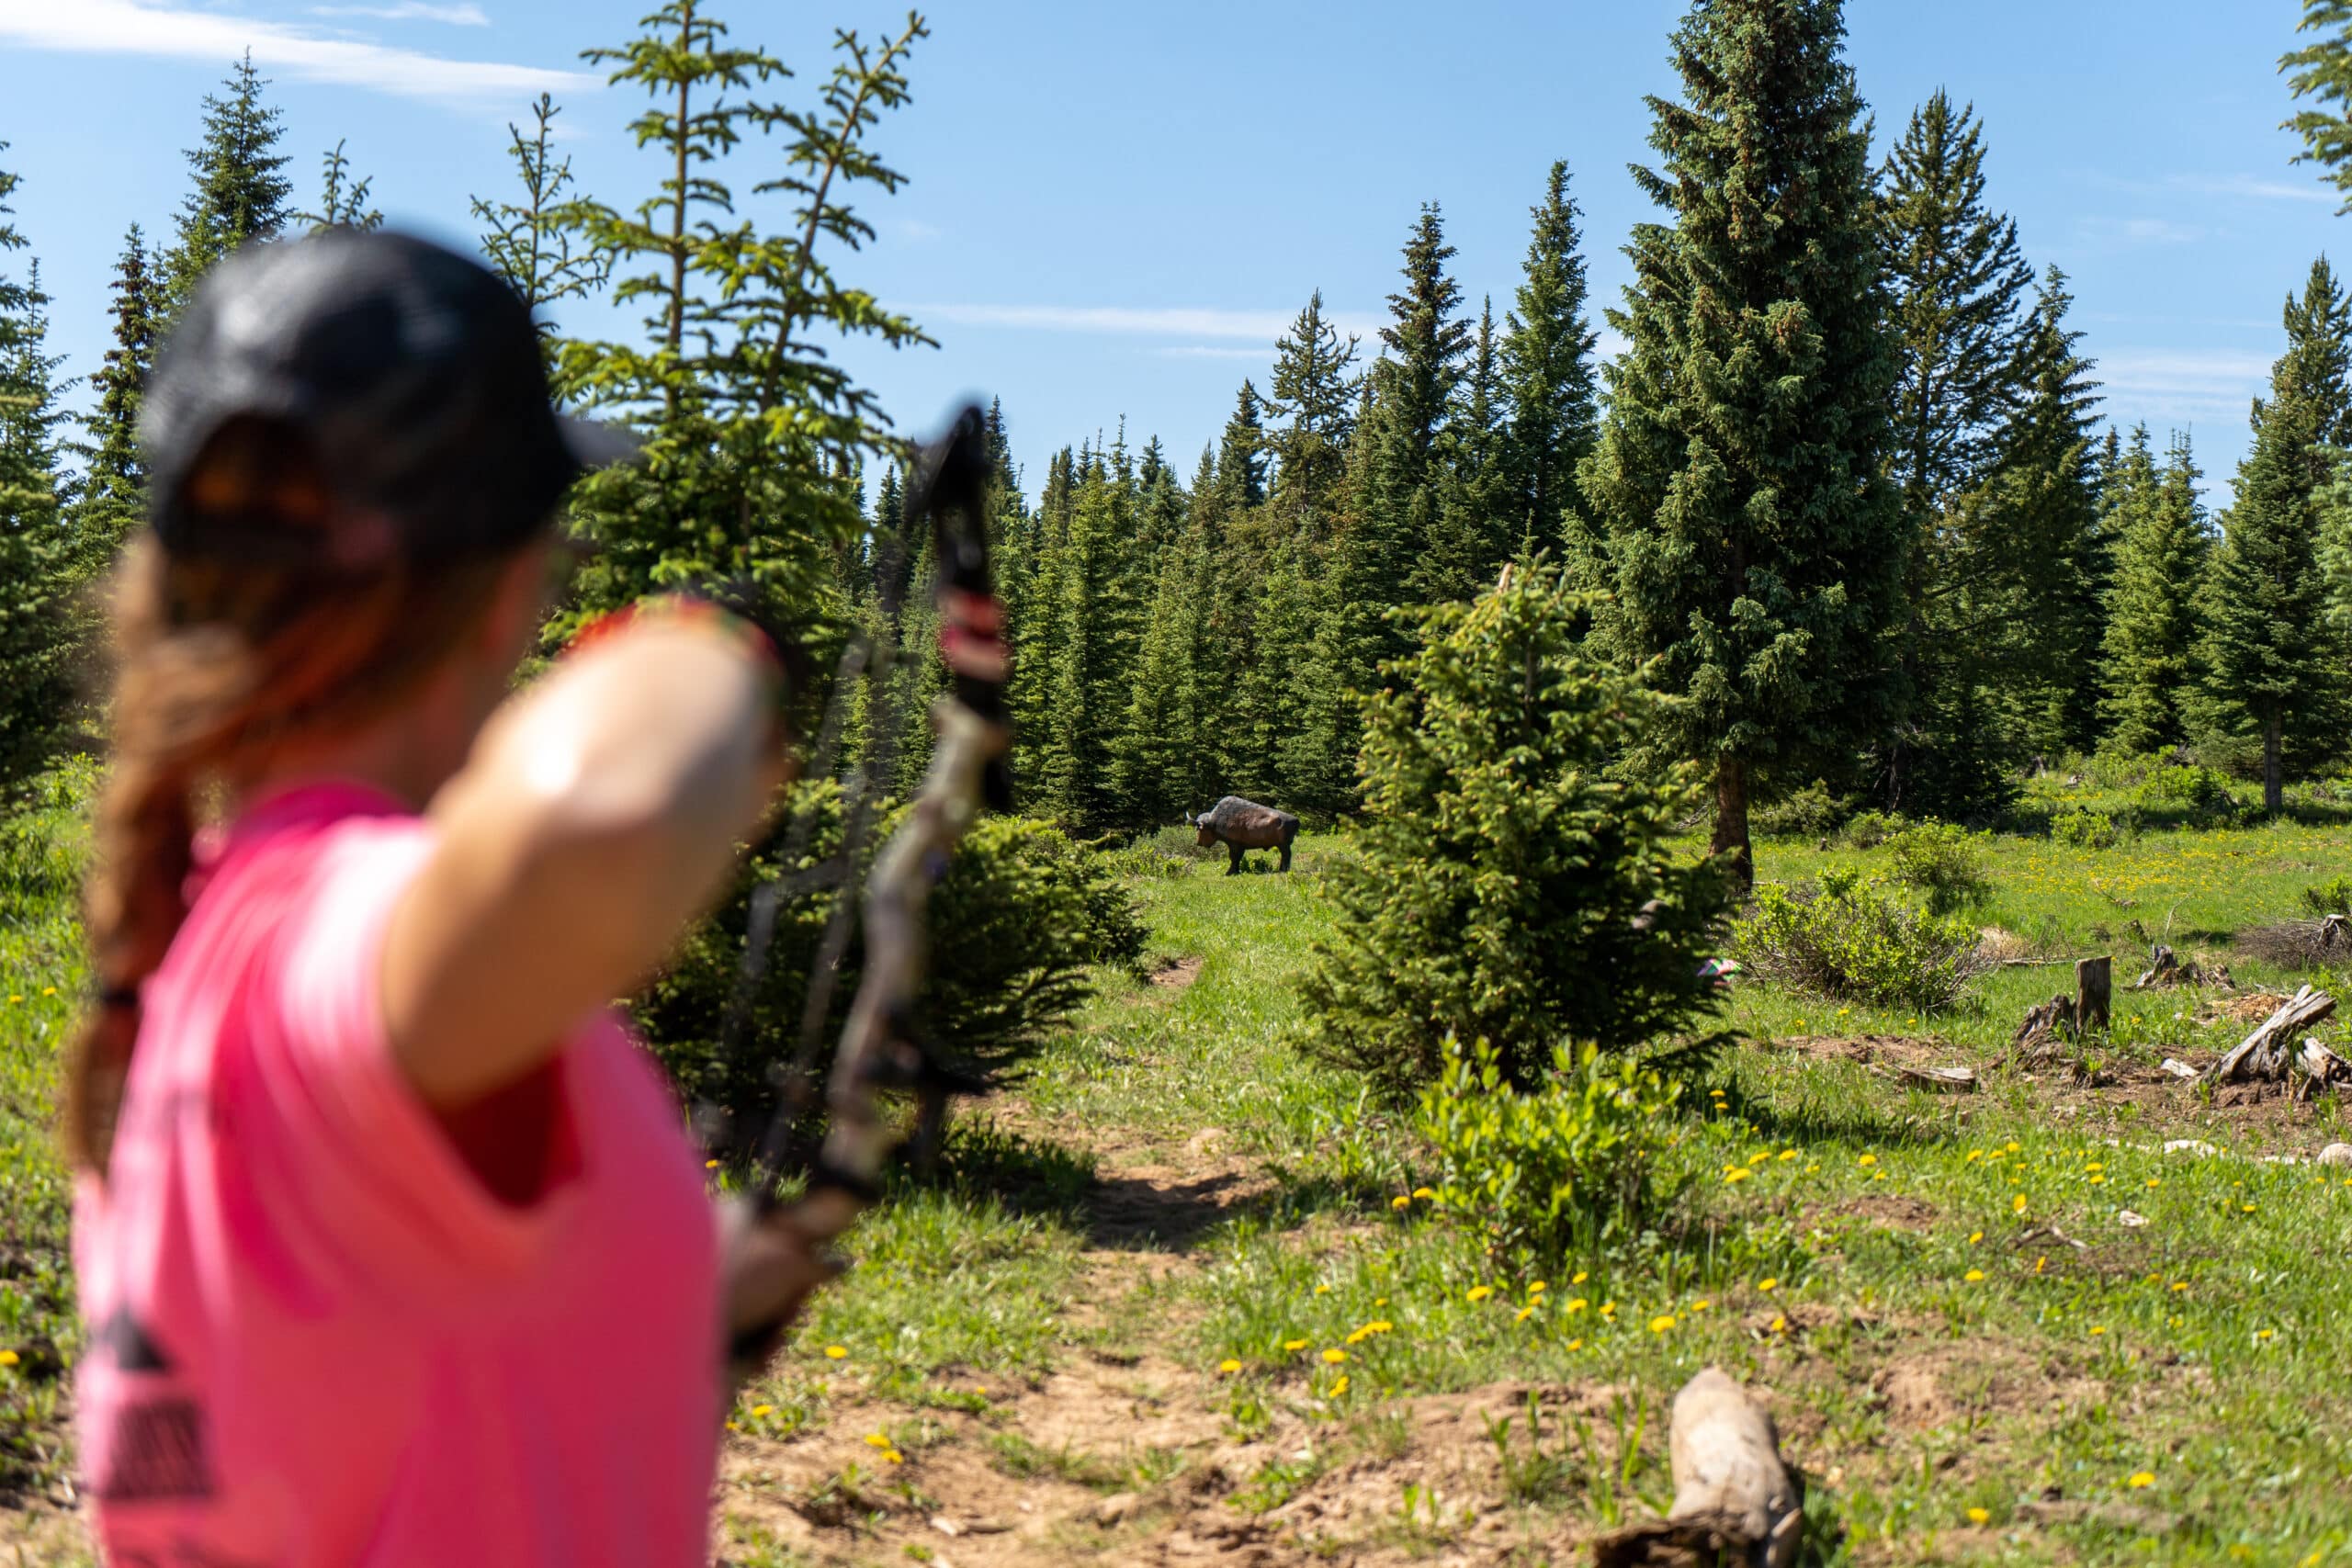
(219, 663)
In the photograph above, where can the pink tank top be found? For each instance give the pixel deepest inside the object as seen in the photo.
(315, 1336)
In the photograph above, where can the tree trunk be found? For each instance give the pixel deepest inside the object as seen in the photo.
(2094, 991)
(1731, 821)
(2273, 793)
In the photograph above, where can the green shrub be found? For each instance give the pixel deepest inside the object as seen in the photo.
(1546, 1172)
(2199, 788)
(1014, 925)
(1809, 813)
(1505, 885)
(1853, 937)
(2329, 898)
(1943, 862)
(2080, 826)
(1872, 829)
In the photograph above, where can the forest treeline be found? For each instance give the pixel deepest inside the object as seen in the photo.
(1848, 495)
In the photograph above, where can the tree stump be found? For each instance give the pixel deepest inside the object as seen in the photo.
(1733, 1500)
(2264, 1052)
(2094, 990)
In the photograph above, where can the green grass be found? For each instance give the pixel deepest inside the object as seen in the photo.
(2201, 1350)
(41, 852)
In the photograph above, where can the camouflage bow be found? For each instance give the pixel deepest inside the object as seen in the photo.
(881, 1048)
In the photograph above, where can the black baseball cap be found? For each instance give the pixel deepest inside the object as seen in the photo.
(411, 373)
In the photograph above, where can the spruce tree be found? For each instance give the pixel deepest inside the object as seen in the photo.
(1743, 514)
(114, 489)
(524, 241)
(753, 426)
(36, 623)
(342, 200)
(1476, 529)
(1411, 399)
(1314, 396)
(2152, 614)
(1547, 367)
(2321, 70)
(2275, 665)
(241, 190)
(1087, 589)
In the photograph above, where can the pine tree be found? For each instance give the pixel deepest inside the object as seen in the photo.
(1412, 398)
(1476, 530)
(753, 425)
(114, 489)
(525, 240)
(1314, 395)
(2152, 614)
(36, 625)
(1547, 367)
(343, 201)
(1739, 490)
(1085, 592)
(2275, 666)
(2321, 70)
(240, 192)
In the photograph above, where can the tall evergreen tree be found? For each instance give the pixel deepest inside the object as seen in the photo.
(114, 486)
(2275, 664)
(2161, 547)
(526, 241)
(343, 199)
(1314, 396)
(1547, 367)
(240, 189)
(1476, 529)
(1412, 400)
(1087, 592)
(35, 630)
(1741, 505)
(2322, 71)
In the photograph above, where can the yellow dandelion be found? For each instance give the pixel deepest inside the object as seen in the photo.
(1358, 1337)
(1867, 1160)
(1380, 1301)
(2245, 1208)
(2180, 1284)
(1576, 1305)
(893, 1456)
(1480, 1292)
(2039, 1262)
(1400, 1202)
(1322, 1289)
(1779, 1324)
(877, 1440)
(1423, 1192)
(1702, 1304)
(835, 1353)
(1524, 1313)
(1975, 1236)
(732, 1427)
(1575, 1344)
(1378, 1326)
(1768, 1286)
(2156, 1182)
(1735, 1173)
(1811, 1169)
(1581, 1277)
(2016, 1204)
(1294, 1345)
(2095, 1165)
(1973, 1276)
(1661, 1324)
(710, 1164)
(1536, 1288)
(14, 999)
(48, 990)
(2014, 1146)
(1979, 1515)
(760, 1410)
(1759, 1156)
(1228, 1366)
(1788, 1154)
(2140, 1479)
(1334, 1357)
(2262, 1334)
(7, 1358)
(1340, 1385)
(1973, 1155)
(2098, 1328)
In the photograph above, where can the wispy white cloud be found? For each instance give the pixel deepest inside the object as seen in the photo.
(459, 16)
(2255, 188)
(2141, 231)
(132, 26)
(2174, 382)
(915, 228)
(1131, 321)
(1212, 351)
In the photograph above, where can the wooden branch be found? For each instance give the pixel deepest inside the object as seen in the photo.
(2253, 1056)
(1733, 1500)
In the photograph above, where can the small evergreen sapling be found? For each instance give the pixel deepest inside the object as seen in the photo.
(1509, 886)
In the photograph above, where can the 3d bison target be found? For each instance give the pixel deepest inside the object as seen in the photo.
(1245, 825)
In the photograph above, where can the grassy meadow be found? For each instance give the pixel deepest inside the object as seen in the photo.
(1176, 1296)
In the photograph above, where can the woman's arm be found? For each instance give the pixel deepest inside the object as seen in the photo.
(599, 813)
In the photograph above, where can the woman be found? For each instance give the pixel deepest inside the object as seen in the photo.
(391, 1245)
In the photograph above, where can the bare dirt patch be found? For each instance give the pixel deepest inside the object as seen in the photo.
(1891, 1211)
(1176, 974)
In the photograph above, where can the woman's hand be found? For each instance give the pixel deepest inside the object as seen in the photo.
(766, 1271)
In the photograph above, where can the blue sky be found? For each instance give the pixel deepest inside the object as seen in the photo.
(1113, 209)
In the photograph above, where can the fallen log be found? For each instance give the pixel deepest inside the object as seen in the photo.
(1733, 1500)
(2263, 1053)
(1942, 1080)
